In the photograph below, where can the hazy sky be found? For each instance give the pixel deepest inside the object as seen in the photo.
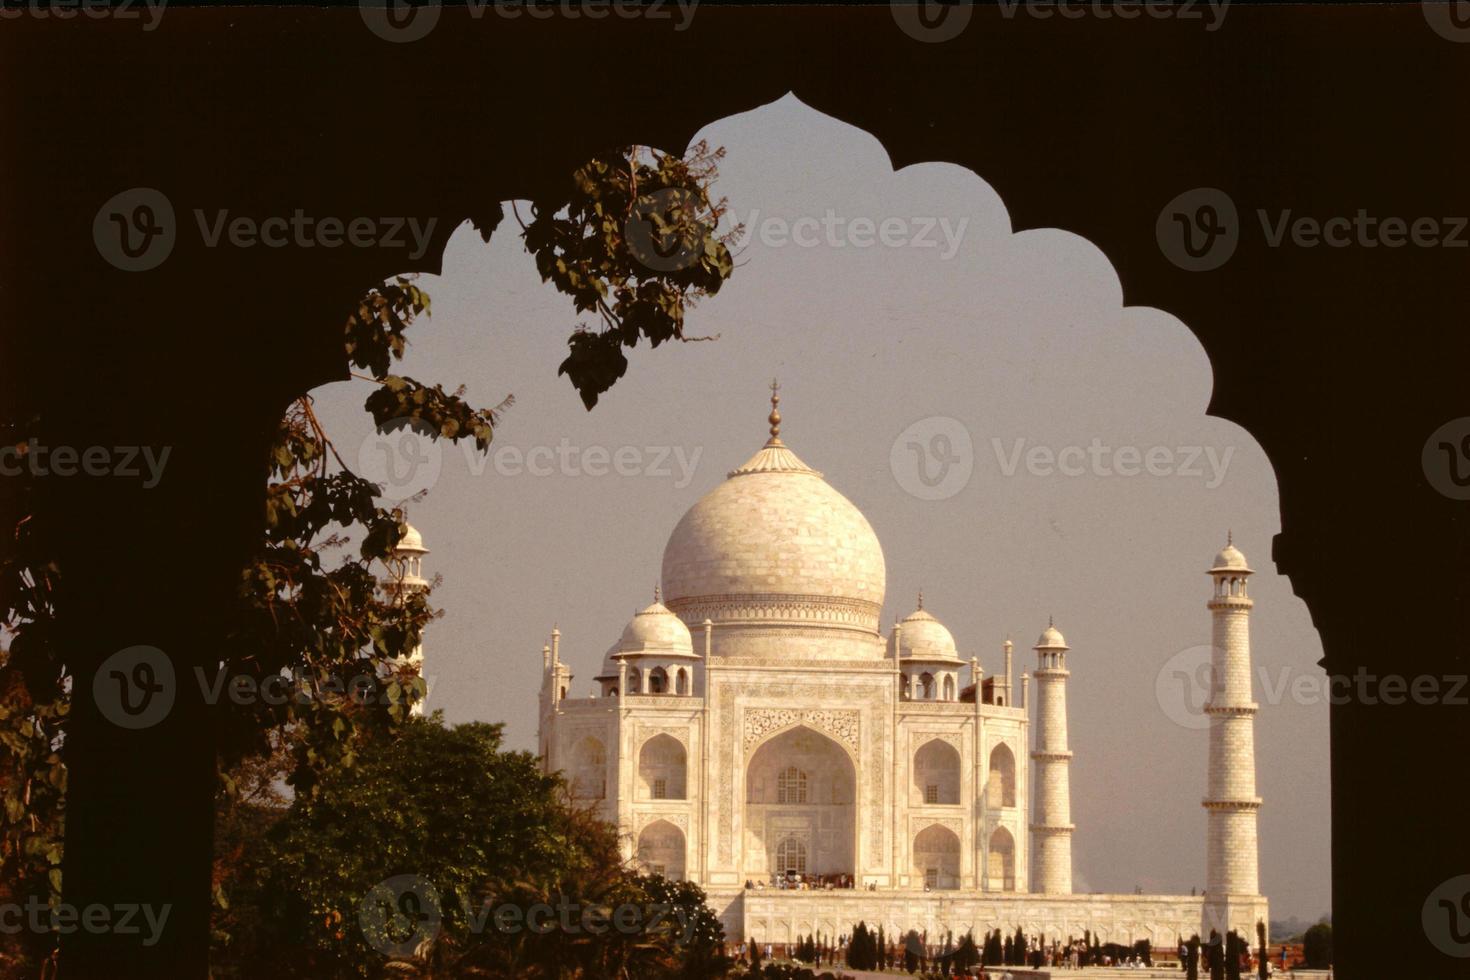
(1022, 443)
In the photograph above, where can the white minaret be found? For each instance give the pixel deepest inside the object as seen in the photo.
(408, 577)
(1232, 886)
(1052, 826)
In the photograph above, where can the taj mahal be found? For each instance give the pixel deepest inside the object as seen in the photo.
(755, 732)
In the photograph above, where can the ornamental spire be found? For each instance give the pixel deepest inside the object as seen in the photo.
(775, 416)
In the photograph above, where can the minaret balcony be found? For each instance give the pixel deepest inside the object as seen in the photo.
(1246, 710)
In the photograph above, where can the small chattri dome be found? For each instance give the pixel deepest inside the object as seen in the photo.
(656, 630)
(1230, 559)
(412, 540)
(924, 637)
(1051, 639)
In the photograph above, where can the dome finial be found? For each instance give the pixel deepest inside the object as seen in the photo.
(657, 593)
(1051, 620)
(775, 416)
(921, 598)
(1229, 537)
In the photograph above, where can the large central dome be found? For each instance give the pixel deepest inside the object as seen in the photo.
(781, 563)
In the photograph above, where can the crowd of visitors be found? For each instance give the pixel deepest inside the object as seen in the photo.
(801, 882)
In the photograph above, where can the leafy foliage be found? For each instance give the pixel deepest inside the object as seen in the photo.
(33, 705)
(484, 829)
(635, 244)
(1317, 946)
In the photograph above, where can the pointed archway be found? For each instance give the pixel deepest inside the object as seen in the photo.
(800, 807)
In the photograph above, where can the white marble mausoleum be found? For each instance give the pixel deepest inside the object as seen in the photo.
(754, 723)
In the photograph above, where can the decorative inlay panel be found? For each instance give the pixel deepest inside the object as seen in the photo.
(643, 819)
(842, 724)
